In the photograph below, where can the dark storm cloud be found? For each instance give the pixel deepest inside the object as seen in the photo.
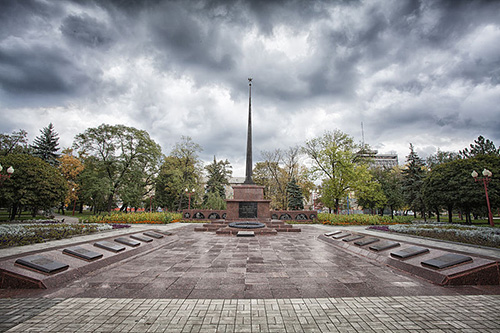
(176, 68)
(17, 17)
(36, 69)
(87, 31)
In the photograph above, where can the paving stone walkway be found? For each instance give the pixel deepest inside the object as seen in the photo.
(291, 282)
(347, 314)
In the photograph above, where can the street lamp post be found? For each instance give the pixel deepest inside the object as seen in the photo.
(74, 200)
(10, 171)
(486, 179)
(189, 194)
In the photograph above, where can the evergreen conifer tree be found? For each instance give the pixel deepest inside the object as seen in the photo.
(46, 145)
(294, 194)
(413, 178)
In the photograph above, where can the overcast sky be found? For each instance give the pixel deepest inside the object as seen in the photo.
(425, 72)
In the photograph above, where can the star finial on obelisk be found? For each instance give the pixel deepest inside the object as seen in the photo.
(248, 174)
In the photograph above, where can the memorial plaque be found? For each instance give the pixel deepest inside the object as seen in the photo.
(142, 238)
(446, 261)
(366, 241)
(41, 264)
(166, 233)
(328, 234)
(341, 235)
(382, 246)
(247, 210)
(81, 253)
(409, 252)
(153, 234)
(352, 238)
(245, 234)
(113, 247)
(127, 241)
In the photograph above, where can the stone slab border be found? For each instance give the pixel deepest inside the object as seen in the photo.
(12, 276)
(479, 271)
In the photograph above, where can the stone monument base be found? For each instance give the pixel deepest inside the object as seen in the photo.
(272, 227)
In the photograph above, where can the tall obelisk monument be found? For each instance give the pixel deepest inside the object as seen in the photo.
(249, 166)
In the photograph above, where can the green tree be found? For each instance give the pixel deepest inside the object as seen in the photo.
(46, 145)
(337, 162)
(124, 156)
(481, 146)
(440, 157)
(441, 188)
(390, 181)
(34, 184)
(94, 184)
(219, 173)
(180, 170)
(414, 174)
(294, 195)
(15, 143)
(450, 185)
(369, 191)
(276, 172)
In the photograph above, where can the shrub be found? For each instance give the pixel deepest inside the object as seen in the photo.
(484, 236)
(133, 218)
(31, 233)
(361, 219)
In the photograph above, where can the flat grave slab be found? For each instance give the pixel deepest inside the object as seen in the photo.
(245, 234)
(328, 234)
(141, 238)
(382, 246)
(41, 264)
(113, 247)
(81, 253)
(353, 238)
(341, 235)
(446, 261)
(153, 234)
(127, 241)
(366, 241)
(409, 252)
(164, 232)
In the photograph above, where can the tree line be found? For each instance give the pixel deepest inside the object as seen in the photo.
(119, 167)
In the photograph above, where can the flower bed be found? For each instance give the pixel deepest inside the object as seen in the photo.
(133, 218)
(483, 236)
(361, 219)
(31, 233)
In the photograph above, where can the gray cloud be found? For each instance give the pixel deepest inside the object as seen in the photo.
(421, 71)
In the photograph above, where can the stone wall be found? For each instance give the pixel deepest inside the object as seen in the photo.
(284, 215)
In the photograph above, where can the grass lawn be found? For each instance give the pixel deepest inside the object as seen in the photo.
(4, 216)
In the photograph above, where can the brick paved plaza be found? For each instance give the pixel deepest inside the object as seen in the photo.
(291, 282)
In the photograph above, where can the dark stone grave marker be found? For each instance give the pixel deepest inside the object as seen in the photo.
(352, 238)
(446, 261)
(341, 235)
(81, 253)
(153, 234)
(382, 246)
(166, 233)
(127, 241)
(328, 234)
(41, 264)
(109, 246)
(409, 252)
(366, 241)
(245, 234)
(142, 238)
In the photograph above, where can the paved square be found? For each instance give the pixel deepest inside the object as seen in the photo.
(288, 265)
(291, 282)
